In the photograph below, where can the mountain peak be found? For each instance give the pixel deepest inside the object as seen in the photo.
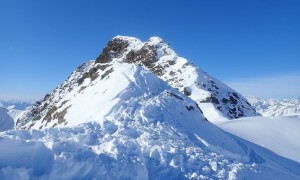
(126, 38)
(155, 40)
(157, 56)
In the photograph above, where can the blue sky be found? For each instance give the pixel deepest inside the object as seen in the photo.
(243, 43)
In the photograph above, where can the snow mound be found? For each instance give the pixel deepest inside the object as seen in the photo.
(125, 148)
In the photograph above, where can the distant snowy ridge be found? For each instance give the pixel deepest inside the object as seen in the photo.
(16, 104)
(10, 111)
(6, 121)
(276, 107)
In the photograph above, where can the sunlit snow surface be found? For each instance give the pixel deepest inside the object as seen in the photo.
(279, 134)
(132, 150)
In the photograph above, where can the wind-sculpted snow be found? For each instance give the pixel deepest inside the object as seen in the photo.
(124, 148)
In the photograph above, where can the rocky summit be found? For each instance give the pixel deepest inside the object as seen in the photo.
(157, 56)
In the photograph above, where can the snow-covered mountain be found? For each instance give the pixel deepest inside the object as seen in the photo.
(276, 107)
(16, 104)
(127, 116)
(216, 100)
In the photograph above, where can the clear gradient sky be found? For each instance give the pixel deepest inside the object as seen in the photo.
(254, 46)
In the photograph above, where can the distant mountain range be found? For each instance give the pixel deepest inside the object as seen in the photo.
(10, 111)
(15, 107)
(275, 107)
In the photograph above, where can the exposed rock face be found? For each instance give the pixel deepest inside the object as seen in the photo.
(159, 58)
(114, 49)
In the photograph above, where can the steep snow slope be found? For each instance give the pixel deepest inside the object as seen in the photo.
(276, 107)
(94, 99)
(6, 122)
(279, 134)
(214, 97)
